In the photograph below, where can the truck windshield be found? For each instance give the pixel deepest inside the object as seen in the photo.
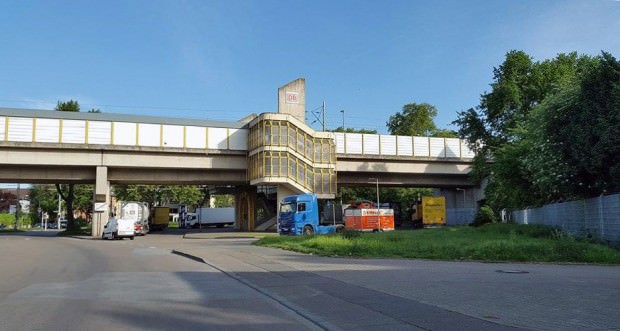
(288, 207)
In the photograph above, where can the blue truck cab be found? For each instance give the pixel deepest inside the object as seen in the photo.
(301, 215)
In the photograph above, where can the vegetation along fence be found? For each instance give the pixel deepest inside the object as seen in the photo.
(597, 217)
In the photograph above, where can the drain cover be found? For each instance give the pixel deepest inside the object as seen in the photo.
(512, 271)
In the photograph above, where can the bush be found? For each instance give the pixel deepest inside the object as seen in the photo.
(484, 216)
(80, 222)
(7, 219)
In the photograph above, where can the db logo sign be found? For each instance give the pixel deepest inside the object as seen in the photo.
(292, 97)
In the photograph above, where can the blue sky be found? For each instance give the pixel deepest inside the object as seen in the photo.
(222, 60)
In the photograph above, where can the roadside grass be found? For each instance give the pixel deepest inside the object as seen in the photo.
(173, 225)
(83, 230)
(491, 242)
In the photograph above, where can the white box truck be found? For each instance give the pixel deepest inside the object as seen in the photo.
(218, 217)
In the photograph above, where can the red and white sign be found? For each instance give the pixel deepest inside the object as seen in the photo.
(292, 97)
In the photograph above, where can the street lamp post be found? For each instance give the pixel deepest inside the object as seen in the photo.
(376, 180)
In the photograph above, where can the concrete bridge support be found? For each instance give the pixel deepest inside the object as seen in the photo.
(101, 195)
(461, 203)
(245, 207)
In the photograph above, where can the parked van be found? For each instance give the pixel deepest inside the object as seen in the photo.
(118, 229)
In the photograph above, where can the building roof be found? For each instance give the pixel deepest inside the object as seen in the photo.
(111, 117)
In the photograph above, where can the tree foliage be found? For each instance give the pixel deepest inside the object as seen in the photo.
(6, 200)
(45, 196)
(160, 195)
(353, 130)
(71, 106)
(414, 120)
(417, 120)
(550, 129)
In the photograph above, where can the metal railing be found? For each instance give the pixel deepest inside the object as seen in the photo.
(119, 133)
(402, 146)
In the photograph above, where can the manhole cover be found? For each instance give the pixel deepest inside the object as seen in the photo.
(512, 271)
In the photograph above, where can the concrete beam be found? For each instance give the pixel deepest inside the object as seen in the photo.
(177, 176)
(120, 158)
(404, 166)
(404, 180)
(46, 174)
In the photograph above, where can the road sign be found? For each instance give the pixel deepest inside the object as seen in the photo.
(100, 207)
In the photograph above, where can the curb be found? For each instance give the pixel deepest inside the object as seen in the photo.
(80, 237)
(189, 256)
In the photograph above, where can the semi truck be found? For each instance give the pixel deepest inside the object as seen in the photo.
(301, 215)
(139, 213)
(430, 211)
(304, 214)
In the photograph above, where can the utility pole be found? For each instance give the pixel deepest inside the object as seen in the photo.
(323, 122)
(17, 207)
(342, 111)
(59, 210)
(378, 204)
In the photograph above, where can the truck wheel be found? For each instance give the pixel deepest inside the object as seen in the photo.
(308, 230)
(339, 229)
(103, 236)
(131, 238)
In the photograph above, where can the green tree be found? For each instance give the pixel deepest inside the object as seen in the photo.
(223, 200)
(526, 124)
(71, 106)
(352, 130)
(576, 135)
(414, 120)
(160, 195)
(44, 196)
(68, 194)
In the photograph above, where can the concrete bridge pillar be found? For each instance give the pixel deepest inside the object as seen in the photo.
(461, 204)
(101, 196)
(245, 208)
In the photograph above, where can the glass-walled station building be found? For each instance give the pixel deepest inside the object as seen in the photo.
(284, 151)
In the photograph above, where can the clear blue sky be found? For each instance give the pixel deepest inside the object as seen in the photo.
(222, 60)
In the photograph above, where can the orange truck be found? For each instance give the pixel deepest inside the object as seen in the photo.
(369, 219)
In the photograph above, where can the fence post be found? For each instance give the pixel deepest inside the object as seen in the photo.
(601, 216)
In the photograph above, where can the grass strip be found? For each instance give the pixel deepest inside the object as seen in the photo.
(491, 242)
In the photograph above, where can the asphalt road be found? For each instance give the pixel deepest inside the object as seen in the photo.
(50, 283)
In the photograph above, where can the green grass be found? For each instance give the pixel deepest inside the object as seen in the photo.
(84, 230)
(172, 225)
(492, 242)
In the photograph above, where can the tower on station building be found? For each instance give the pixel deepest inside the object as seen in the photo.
(292, 99)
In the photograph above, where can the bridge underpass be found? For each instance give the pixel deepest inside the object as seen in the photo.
(270, 149)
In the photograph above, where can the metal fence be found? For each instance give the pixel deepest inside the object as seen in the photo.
(597, 217)
(460, 216)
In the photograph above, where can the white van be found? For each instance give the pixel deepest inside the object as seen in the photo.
(118, 228)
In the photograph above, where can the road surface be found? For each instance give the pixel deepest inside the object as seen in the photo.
(52, 283)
